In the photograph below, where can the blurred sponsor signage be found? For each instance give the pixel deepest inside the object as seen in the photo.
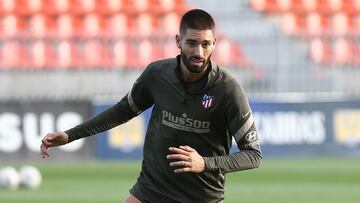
(284, 128)
(125, 141)
(291, 127)
(347, 127)
(308, 128)
(23, 124)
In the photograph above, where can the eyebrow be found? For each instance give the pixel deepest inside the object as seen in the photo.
(194, 40)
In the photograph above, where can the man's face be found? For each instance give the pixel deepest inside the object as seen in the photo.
(196, 49)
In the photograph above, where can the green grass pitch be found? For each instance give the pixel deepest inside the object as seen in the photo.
(305, 180)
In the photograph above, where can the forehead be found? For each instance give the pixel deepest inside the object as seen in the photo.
(199, 35)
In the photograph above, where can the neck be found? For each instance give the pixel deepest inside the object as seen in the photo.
(188, 76)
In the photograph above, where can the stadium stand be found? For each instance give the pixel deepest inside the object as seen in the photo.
(286, 44)
(331, 26)
(68, 55)
(90, 28)
(13, 55)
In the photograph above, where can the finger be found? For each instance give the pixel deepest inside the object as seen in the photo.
(178, 150)
(187, 148)
(50, 137)
(45, 142)
(44, 151)
(182, 170)
(178, 157)
(182, 164)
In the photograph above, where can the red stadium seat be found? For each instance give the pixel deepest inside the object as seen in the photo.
(319, 6)
(169, 47)
(266, 6)
(316, 24)
(14, 55)
(356, 53)
(97, 55)
(76, 7)
(284, 5)
(356, 4)
(320, 51)
(68, 26)
(89, 6)
(228, 54)
(166, 6)
(46, 7)
(148, 51)
(110, 7)
(83, 7)
(181, 6)
(342, 52)
(42, 55)
(341, 24)
(136, 7)
(123, 55)
(239, 59)
(258, 5)
(118, 25)
(292, 6)
(146, 25)
(7, 7)
(41, 26)
(170, 24)
(309, 5)
(335, 5)
(223, 52)
(93, 25)
(291, 24)
(356, 25)
(30, 7)
(11, 26)
(21, 8)
(58, 7)
(68, 55)
(271, 6)
(351, 6)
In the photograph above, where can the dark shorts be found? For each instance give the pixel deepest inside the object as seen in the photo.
(147, 196)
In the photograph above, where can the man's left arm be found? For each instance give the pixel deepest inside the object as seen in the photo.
(241, 126)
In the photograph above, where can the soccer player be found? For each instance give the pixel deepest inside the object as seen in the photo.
(197, 108)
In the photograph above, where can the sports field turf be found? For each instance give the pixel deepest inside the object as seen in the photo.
(327, 180)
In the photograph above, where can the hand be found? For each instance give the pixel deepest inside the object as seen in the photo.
(52, 140)
(186, 159)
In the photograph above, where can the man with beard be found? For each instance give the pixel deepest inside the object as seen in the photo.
(197, 109)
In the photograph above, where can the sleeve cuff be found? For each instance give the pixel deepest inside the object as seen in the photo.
(210, 164)
(72, 134)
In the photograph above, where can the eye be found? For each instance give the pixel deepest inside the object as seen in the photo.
(191, 43)
(206, 45)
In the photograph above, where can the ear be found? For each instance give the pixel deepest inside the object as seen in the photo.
(214, 41)
(178, 41)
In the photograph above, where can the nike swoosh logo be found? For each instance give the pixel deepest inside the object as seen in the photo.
(245, 115)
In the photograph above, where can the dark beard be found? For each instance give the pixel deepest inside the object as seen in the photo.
(193, 69)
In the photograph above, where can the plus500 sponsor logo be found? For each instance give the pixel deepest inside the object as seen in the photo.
(185, 123)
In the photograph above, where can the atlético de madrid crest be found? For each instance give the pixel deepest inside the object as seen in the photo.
(207, 100)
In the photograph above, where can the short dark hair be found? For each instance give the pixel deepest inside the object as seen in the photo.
(197, 19)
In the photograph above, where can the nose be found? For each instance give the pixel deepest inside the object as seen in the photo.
(199, 51)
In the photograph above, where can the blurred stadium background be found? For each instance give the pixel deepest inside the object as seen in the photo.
(62, 61)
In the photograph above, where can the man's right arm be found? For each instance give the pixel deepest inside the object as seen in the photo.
(137, 100)
(111, 117)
